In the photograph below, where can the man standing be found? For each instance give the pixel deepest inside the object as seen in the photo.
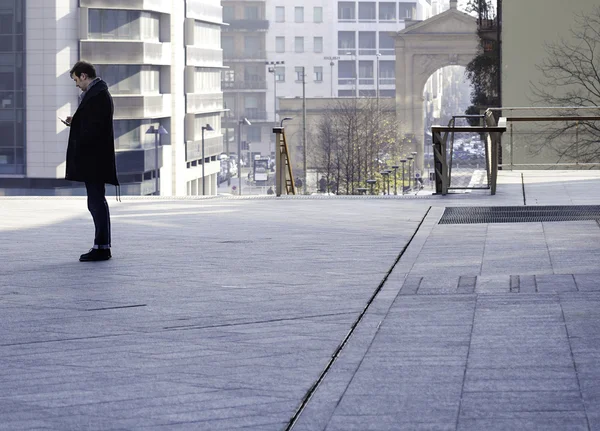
(91, 152)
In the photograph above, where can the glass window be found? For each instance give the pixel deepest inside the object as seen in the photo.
(318, 14)
(346, 10)
(366, 11)
(253, 133)
(280, 73)
(280, 14)
(280, 44)
(227, 45)
(299, 71)
(251, 12)
(298, 14)
(387, 11)
(127, 134)
(121, 79)
(318, 44)
(117, 24)
(407, 10)
(346, 40)
(298, 44)
(367, 43)
(251, 45)
(228, 13)
(318, 73)
(150, 24)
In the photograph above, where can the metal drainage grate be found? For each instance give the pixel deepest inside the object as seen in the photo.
(463, 215)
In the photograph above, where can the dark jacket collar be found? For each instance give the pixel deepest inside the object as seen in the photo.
(98, 87)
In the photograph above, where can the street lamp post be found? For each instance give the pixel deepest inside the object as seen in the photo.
(239, 154)
(304, 184)
(210, 129)
(331, 63)
(414, 154)
(395, 168)
(273, 70)
(354, 71)
(403, 161)
(371, 183)
(385, 174)
(410, 159)
(377, 79)
(160, 130)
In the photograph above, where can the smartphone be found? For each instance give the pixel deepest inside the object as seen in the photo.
(64, 122)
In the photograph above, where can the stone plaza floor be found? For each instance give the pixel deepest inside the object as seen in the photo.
(303, 313)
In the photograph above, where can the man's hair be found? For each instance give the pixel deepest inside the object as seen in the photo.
(83, 67)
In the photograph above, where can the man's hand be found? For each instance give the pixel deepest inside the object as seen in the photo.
(68, 120)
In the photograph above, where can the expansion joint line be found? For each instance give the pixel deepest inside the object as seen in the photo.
(340, 347)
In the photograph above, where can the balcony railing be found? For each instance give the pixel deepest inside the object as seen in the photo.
(149, 5)
(204, 57)
(244, 85)
(126, 52)
(213, 146)
(241, 56)
(200, 103)
(247, 25)
(198, 9)
(255, 114)
(141, 106)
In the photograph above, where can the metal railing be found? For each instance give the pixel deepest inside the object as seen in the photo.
(563, 132)
(443, 151)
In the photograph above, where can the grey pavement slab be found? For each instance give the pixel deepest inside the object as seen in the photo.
(223, 313)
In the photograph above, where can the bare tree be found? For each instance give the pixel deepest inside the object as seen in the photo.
(571, 77)
(351, 139)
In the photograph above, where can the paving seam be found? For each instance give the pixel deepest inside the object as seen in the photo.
(310, 415)
(562, 311)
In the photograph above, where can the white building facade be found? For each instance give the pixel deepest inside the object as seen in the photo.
(162, 61)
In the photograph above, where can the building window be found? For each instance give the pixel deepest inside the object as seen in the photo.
(280, 73)
(318, 73)
(299, 71)
(253, 133)
(121, 79)
(407, 10)
(318, 44)
(346, 11)
(346, 42)
(252, 46)
(227, 45)
(280, 14)
(127, 134)
(228, 13)
(299, 44)
(114, 24)
(280, 44)
(298, 14)
(228, 76)
(387, 11)
(366, 11)
(318, 14)
(251, 12)
(367, 43)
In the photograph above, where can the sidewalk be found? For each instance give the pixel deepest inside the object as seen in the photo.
(224, 313)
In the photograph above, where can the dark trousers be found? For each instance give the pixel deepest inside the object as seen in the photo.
(96, 200)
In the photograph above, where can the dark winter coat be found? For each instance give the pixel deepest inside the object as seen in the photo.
(91, 150)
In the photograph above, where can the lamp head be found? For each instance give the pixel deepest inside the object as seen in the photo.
(208, 127)
(245, 121)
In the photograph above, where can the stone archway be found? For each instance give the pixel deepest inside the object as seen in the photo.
(446, 39)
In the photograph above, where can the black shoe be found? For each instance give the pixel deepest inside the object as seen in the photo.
(95, 255)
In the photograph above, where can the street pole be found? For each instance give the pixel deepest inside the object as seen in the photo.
(304, 124)
(203, 163)
(395, 167)
(331, 77)
(239, 158)
(356, 73)
(403, 161)
(377, 83)
(157, 187)
(227, 151)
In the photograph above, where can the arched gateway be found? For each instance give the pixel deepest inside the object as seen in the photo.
(447, 39)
